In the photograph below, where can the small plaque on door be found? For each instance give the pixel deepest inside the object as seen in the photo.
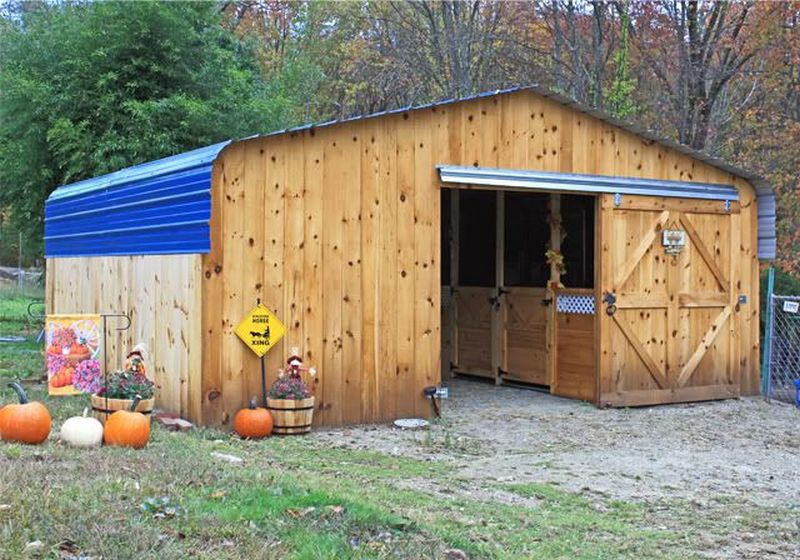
(673, 240)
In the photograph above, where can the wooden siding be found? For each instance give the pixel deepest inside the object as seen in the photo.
(337, 230)
(162, 296)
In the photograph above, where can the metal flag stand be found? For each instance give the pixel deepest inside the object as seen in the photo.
(38, 317)
(105, 317)
(263, 374)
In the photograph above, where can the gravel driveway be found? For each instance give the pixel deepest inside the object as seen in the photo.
(727, 473)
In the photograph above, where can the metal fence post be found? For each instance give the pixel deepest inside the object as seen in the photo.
(766, 348)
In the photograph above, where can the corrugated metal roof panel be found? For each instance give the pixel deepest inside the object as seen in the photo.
(159, 207)
(573, 182)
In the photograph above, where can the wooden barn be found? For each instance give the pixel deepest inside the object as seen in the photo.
(516, 236)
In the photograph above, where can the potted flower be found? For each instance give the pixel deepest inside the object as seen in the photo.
(119, 389)
(289, 400)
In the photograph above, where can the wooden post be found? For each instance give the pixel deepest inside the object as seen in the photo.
(552, 291)
(499, 311)
(555, 236)
(454, 248)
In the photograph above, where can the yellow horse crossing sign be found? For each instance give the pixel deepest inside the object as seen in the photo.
(260, 330)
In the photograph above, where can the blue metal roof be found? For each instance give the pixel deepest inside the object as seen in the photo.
(171, 224)
(159, 207)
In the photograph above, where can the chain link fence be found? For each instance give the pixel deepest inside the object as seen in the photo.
(782, 352)
(20, 279)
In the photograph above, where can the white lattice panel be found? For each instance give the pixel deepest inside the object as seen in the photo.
(579, 304)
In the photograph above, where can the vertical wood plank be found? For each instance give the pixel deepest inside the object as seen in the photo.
(273, 216)
(351, 403)
(234, 358)
(213, 294)
(333, 237)
(426, 263)
(388, 274)
(252, 269)
(294, 244)
(370, 272)
(405, 266)
(312, 265)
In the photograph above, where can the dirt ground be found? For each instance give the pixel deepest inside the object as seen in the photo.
(726, 472)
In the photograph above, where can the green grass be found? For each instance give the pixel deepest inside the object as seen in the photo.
(290, 498)
(19, 360)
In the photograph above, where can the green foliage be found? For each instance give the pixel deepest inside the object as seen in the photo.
(88, 88)
(10, 240)
(785, 285)
(128, 385)
(620, 95)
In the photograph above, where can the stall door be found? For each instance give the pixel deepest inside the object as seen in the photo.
(525, 305)
(525, 336)
(475, 286)
(667, 301)
(473, 327)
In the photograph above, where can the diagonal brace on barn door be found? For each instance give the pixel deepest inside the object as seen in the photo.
(655, 371)
(644, 245)
(703, 250)
(708, 339)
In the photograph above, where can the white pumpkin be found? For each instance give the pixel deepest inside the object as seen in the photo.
(81, 431)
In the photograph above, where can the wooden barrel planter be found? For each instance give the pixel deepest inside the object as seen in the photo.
(102, 407)
(290, 416)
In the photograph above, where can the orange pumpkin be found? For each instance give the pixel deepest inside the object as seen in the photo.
(26, 422)
(253, 422)
(126, 428)
(3, 411)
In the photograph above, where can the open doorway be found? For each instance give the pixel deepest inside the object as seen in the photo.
(518, 276)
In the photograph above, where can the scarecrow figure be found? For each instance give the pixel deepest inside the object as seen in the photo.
(134, 361)
(295, 365)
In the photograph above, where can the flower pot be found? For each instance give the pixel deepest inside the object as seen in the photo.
(290, 416)
(102, 407)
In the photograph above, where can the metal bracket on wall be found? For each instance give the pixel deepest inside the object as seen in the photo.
(727, 205)
(617, 199)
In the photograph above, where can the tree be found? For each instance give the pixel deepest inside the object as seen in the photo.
(763, 135)
(693, 49)
(86, 89)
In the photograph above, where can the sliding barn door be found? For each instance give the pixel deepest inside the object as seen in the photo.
(666, 313)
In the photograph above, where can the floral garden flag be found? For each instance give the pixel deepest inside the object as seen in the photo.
(73, 352)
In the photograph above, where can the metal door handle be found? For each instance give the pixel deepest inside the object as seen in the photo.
(610, 299)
